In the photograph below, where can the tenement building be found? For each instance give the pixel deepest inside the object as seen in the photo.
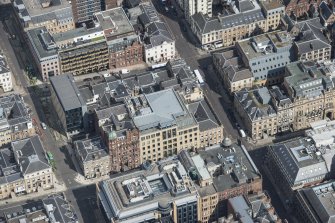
(220, 173)
(310, 42)
(262, 210)
(311, 88)
(306, 96)
(93, 157)
(238, 20)
(159, 43)
(315, 204)
(24, 168)
(124, 45)
(55, 15)
(55, 207)
(15, 119)
(298, 163)
(120, 135)
(266, 56)
(5, 75)
(159, 191)
(257, 113)
(232, 72)
(300, 8)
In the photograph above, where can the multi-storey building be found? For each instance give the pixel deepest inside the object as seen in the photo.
(262, 210)
(68, 104)
(124, 45)
(315, 204)
(266, 56)
(220, 173)
(298, 163)
(191, 7)
(161, 191)
(241, 19)
(327, 15)
(256, 112)
(273, 10)
(24, 168)
(164, 129)
(82, 50)
(55, 207)
(77, 51)
(56, 16)
(311, 88)
(44, 51)
(15, 120)
(84, 11)
(5, 75)
(210, 128)
(159, 43)
(306, 96)
(121, 136)
(93, 157)
(300, 8)
(231, 71)
(310, 43)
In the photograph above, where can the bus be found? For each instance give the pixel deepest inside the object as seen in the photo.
(199, 77)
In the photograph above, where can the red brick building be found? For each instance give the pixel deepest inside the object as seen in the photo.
(121, 137)
(125, 54)
(299, 8)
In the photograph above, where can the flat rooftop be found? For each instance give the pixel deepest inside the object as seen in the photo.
(155, 114)
(67, 92)
(322, 132)
(321, 199)
(74, 33)
(237, 166)
(115, 21)
(35, 7)
(265, 45)
(136, 193)
(40, 39)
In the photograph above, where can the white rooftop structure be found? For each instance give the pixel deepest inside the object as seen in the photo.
(322, 132)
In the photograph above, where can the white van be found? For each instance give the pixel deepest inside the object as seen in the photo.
(242, 133)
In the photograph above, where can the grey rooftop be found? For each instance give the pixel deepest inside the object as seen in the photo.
(115, 21)
(30, 155)
(67, 92)
(91, 149)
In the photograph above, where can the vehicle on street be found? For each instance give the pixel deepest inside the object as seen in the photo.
(199, 77)
(44, 126)
(242, 133)
(125, 71)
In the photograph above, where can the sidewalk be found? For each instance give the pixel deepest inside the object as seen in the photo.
(33, 196)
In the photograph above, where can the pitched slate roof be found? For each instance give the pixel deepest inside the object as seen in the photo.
(30, 155)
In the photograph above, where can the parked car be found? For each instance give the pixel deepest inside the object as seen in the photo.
(44, 126)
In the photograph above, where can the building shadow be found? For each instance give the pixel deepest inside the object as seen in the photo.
(67, 158)
(86, 198)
